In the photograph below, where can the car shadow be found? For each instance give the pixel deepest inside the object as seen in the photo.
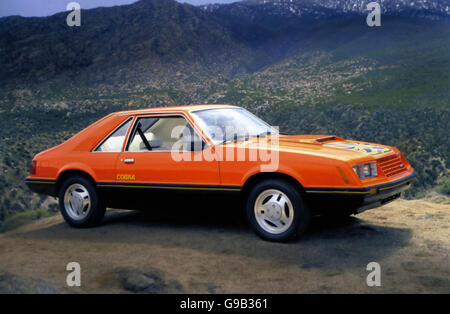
(351, 242)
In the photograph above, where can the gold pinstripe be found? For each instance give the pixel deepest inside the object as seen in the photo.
(338, 192)
(167, 187)
(390, 187)
(356, 192)
(36, 181)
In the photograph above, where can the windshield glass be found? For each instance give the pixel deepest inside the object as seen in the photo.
(231, 124)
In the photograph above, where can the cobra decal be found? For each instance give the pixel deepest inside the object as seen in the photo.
(369, 149)
(130, 177)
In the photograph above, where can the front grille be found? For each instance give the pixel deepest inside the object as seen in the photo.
(391, 165)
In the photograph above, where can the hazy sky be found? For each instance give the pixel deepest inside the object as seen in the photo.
(49, 7)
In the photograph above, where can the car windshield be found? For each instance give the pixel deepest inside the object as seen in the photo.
(224, 125)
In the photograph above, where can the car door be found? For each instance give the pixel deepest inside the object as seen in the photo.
(104, 157)
(156, 155)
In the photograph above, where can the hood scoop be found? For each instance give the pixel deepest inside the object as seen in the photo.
(328, 139)
(311, 139)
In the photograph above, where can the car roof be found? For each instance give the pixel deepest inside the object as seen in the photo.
(186, 108)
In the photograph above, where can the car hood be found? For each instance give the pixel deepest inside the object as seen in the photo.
(322, 145)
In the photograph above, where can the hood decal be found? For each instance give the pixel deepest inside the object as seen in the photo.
(369, 149)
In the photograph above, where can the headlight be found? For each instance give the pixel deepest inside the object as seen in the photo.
(367, 170)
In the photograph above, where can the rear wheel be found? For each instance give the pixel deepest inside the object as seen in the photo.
(276, 211)
(79, 202)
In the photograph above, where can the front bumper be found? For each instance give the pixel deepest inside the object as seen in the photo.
(384, 195)
(356, 199)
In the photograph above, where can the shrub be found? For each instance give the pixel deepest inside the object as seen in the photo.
(16, 220)
(445, 186)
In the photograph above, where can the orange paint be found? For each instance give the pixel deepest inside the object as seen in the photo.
(315, 161)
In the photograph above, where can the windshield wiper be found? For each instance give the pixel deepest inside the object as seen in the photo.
(244, 138)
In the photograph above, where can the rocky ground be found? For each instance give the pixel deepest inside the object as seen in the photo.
(201, 251)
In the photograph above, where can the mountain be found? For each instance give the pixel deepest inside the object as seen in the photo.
(324, 9)
(144, 41)
(322, 70)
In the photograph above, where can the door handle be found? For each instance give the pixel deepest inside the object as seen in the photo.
(129, 161)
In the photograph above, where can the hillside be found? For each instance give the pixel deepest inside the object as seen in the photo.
(306, 74)
(374, 85)
(324, 9)
(133, 46)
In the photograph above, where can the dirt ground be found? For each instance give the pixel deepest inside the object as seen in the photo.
(208, 251)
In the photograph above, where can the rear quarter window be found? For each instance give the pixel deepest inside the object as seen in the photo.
(114, 142)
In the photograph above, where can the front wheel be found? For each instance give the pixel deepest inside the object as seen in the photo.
(276, 211)
(79, 202)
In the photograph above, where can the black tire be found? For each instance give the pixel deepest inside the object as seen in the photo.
(96, 210)
(301, 214)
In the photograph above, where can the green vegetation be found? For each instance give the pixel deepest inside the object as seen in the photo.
(387, 85)
(444, 187)
(19, 219)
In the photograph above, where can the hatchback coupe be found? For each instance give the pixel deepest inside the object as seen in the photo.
(128, 158)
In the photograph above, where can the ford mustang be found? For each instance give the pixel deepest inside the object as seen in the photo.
(128, 157)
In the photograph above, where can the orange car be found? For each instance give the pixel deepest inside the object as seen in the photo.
(283, 179)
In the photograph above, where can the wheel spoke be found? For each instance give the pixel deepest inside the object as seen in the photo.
(282, 201)
(84, 194)
(85, 204)
(75, 208)
(262, 211)
(268, 199)
(284, 217)
(72, 204)
(277, 223)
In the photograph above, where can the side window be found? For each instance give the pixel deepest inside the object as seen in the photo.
(115, 141)
(161, 134)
